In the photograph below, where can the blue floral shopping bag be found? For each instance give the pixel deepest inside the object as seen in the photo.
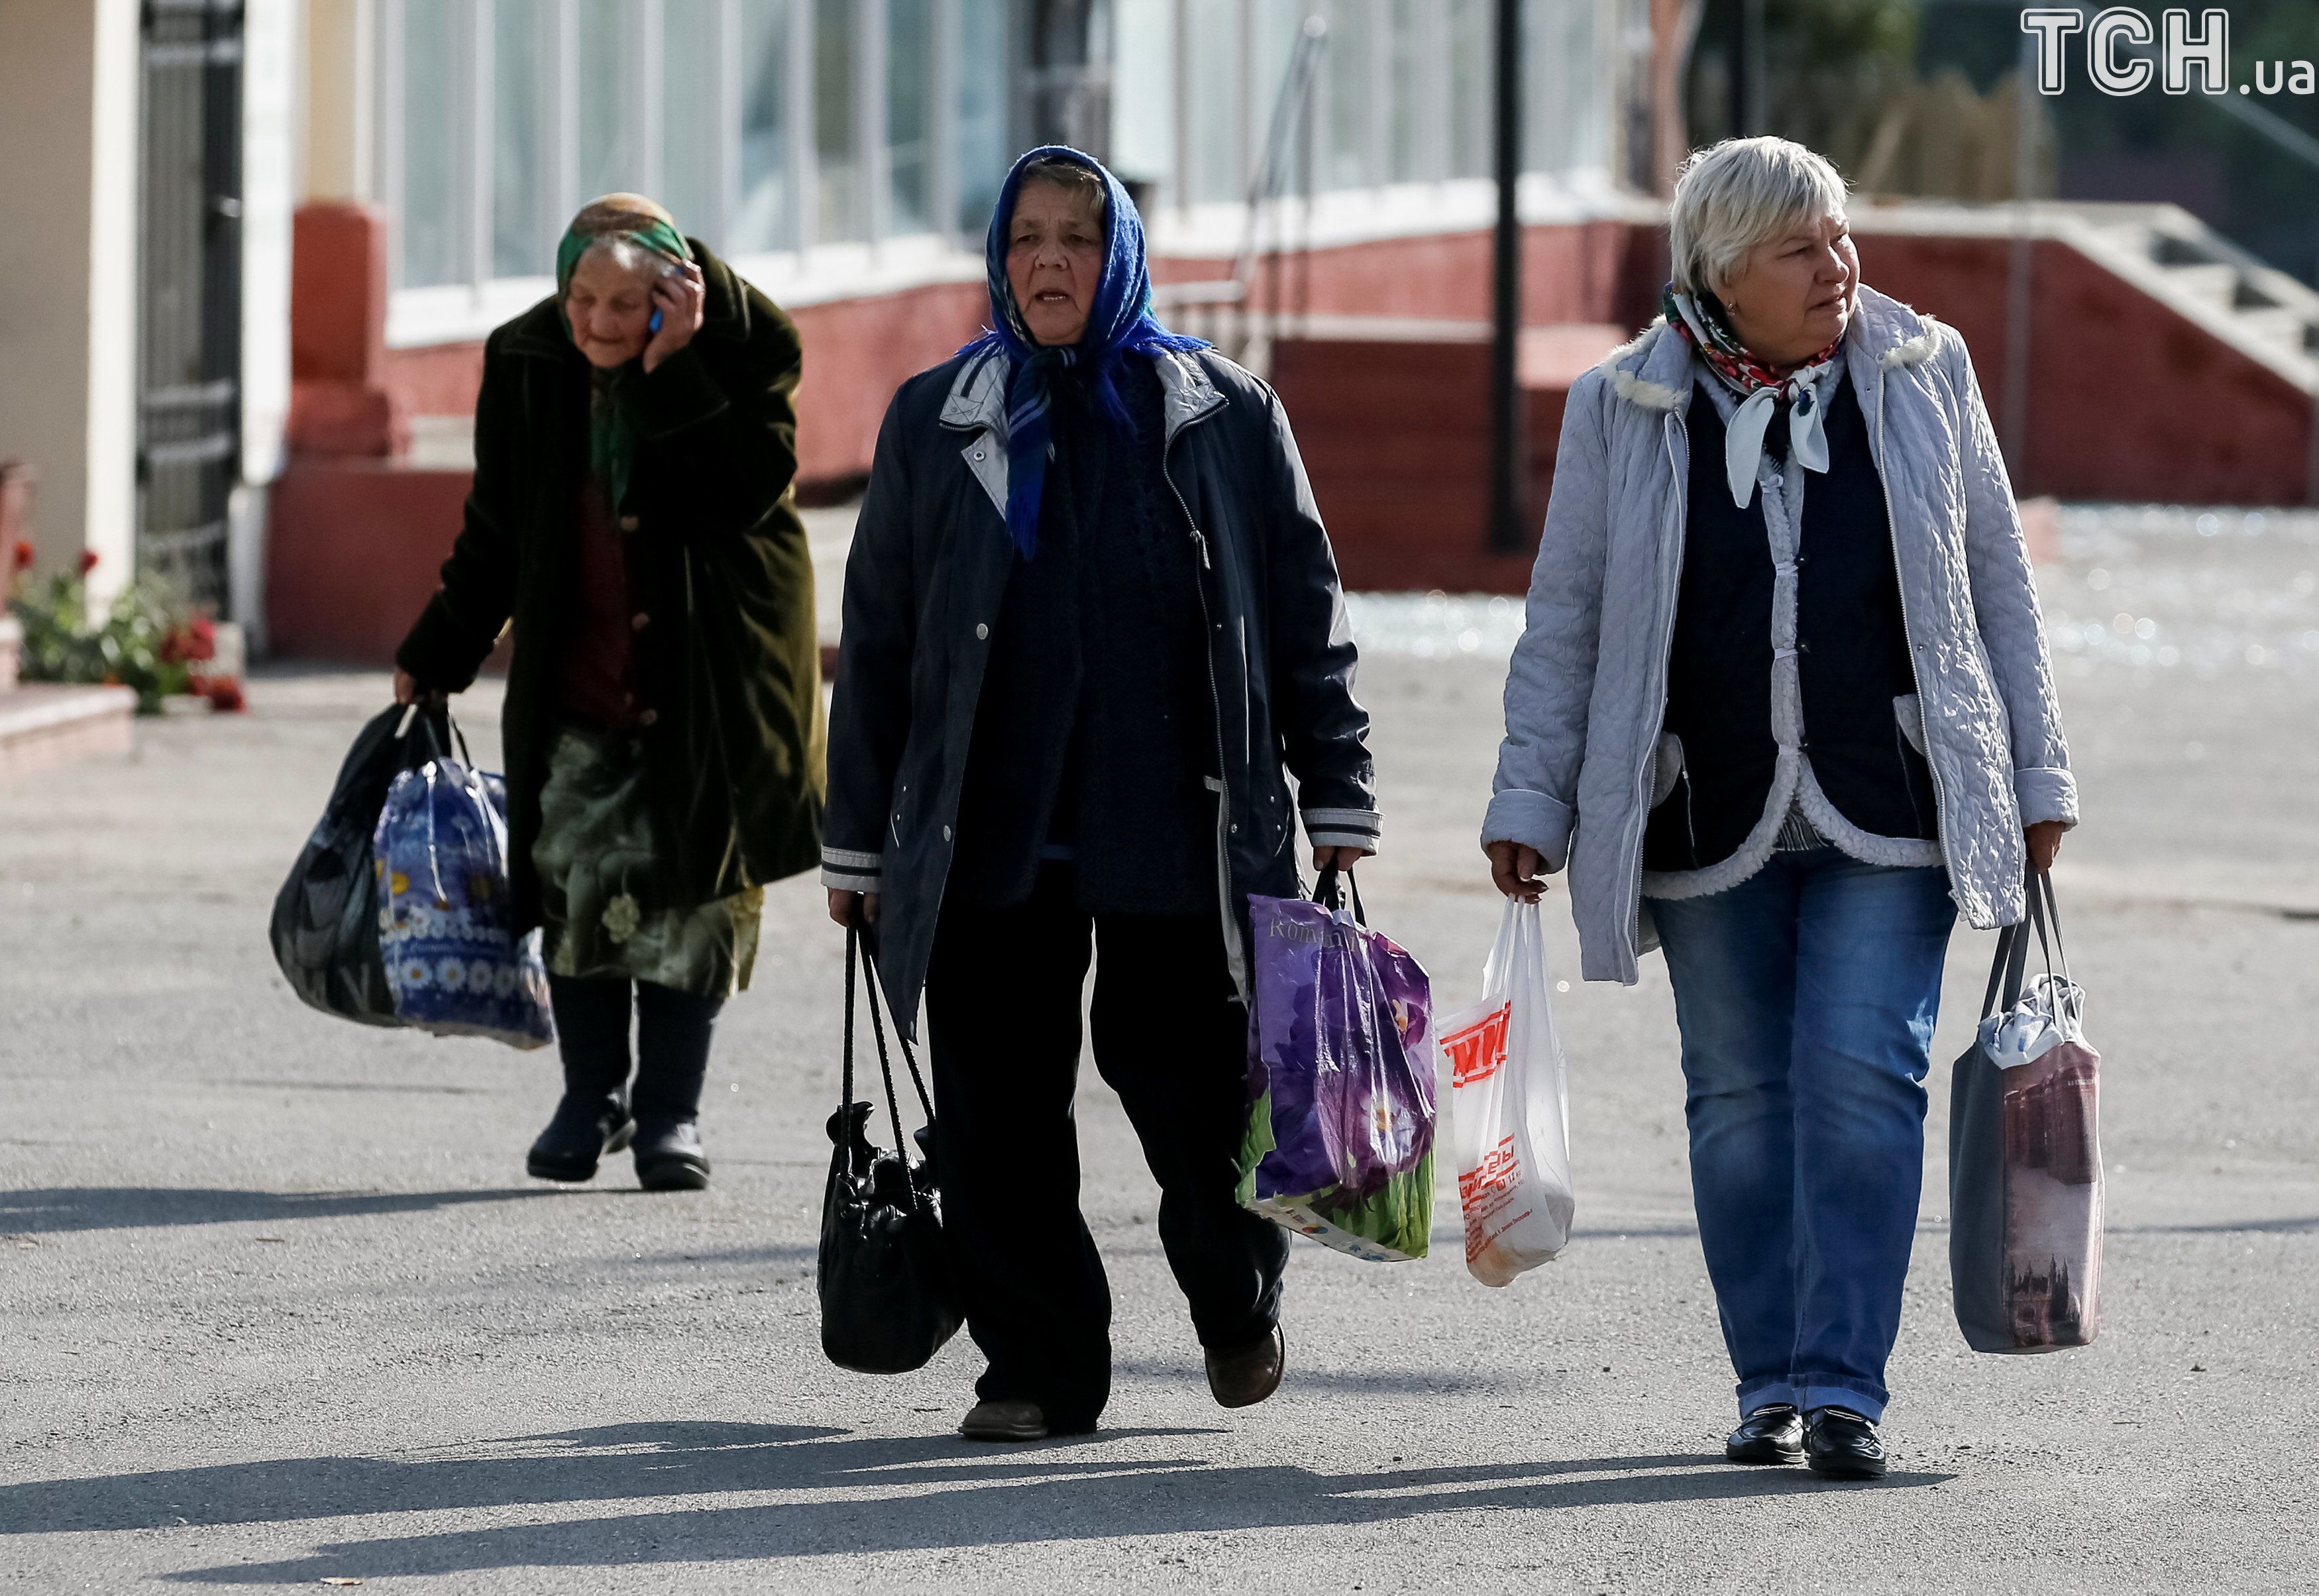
(453, 961)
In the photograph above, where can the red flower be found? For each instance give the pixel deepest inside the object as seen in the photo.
(195, 640)
(89, 558)
(223, 693)
(21, 557)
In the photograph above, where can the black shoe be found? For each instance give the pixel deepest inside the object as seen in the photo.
(1005, 1421)
(669, 1157)
(1840, 1445)
(1245, 1375)
(582, 1132)
(1770, 1434)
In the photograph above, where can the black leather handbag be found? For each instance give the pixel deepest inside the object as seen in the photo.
(887, 1302)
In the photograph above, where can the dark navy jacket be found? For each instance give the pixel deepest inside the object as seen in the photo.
(923, 585)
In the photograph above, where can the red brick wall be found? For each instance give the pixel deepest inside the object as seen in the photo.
(2127, 398)
(1571, 273)
(352, 559)
(857, 352)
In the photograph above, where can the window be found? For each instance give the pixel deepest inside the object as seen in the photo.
(1407, 90)
(1349, 75)
(1143, 92)
(695, 151)
(1412, 28)
(910, 115)
(765, 217)
(432, 168)
(762, 125)
(1561, 125)
(524, 228)
(837, 214)
(1218, 158)
(1473, 89)
(599, 91)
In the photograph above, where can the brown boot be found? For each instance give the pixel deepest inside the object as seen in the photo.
(1246, 1375)
(1005, 1421)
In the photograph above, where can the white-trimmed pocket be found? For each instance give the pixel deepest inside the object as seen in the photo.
(1666, 769)
(1908, 709)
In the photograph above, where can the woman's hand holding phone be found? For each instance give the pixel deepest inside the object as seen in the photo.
(679, 304)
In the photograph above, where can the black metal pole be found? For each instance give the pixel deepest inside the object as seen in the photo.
(1506, 454)
(1742, 48)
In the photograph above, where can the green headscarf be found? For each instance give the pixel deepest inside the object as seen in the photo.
(613, 427)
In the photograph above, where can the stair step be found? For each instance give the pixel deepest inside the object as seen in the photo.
(44, 724)
(2216, 281)
(2287, 327)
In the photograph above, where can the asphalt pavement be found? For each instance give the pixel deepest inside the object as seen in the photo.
(280, 1306)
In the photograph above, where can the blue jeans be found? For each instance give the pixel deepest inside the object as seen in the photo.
(1806, 997)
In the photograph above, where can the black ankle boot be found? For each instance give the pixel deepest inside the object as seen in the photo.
(585, 1129)
(669, 1157)
(672, 1034)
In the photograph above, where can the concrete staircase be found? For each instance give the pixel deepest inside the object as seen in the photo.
(2165, 364)
(2258, 309)
(2163, 251)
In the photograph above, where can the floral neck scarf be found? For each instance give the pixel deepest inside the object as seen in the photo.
(1700, 319)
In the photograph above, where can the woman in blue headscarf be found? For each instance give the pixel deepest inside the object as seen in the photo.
(1092, 626)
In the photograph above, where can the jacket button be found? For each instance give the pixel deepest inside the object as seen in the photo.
(945, 834)
(639, 620)
(628, 523)
(982, 629)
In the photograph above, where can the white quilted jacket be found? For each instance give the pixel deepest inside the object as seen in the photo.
(1587, 687)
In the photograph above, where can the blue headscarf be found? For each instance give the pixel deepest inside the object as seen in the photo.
(1120, 323)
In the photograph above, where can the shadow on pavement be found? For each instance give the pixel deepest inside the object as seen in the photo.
(1059, 1492)
(2249, 1227)
(137, 1207)
(1014, 1497)
(1419, 1382)
(612, 1462)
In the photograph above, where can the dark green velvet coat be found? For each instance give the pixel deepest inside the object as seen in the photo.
(729, 655)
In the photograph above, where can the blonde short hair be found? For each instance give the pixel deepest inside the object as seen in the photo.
(1732, 197)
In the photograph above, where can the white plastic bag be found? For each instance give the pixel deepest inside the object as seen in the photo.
(1510, 1109)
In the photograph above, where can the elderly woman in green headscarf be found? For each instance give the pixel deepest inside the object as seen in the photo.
(633, 520)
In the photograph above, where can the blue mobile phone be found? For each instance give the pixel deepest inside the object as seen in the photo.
(654, 325)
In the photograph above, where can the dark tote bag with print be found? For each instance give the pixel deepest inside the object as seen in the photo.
(2025, 1154)
(886, 1301)
(325, 927)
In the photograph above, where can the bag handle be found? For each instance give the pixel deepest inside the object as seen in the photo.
(1327, 892)
(2010, 968)
(423, 715)
(2053, 917)
(845, 1079)
(2006, 970)
(862, 971)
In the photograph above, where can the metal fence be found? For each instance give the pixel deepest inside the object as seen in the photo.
(189, 343)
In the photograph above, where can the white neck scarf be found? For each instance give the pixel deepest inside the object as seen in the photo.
(1743, 437)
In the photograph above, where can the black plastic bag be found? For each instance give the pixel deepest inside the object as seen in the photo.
(888, 1303)
(325, 926)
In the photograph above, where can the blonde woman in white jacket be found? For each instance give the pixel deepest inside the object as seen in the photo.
(1783, 709)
